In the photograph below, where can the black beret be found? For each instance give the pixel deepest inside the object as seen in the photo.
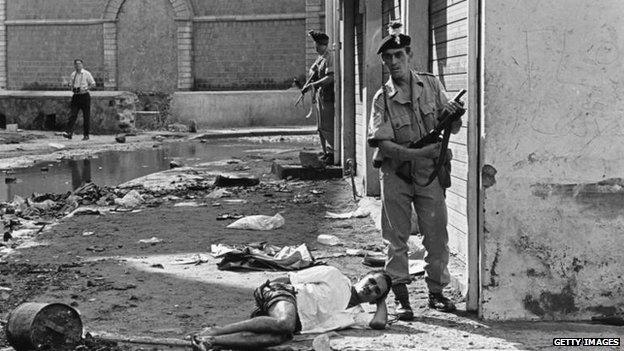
(319, 37)
(394, 41)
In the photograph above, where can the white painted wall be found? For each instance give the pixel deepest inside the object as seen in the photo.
(554, 129)
(224, 109)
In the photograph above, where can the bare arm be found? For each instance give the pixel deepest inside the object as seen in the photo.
(327, 80)
(284, 280)
(380, 319)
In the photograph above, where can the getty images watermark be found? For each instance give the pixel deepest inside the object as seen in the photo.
(586, 341)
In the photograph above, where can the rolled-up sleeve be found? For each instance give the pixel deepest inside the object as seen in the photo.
(441, 96)
(329, 66)
(379, 126)
(90, 80)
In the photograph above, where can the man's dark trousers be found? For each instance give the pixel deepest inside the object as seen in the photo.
(80, 102)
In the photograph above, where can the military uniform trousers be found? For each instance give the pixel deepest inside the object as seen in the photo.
(430, 205)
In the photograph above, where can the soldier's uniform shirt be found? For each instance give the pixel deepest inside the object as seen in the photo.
(325, 99)
(411, 116)
(324, 65)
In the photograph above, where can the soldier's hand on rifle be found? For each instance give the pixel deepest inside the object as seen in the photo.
(431, 150)
(306, 88)
(426, 152)
(454, 107)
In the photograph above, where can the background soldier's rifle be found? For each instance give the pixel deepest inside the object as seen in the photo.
(313, 77)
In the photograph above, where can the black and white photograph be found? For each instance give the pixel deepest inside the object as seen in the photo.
(311, 175)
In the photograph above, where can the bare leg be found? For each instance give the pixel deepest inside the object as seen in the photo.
(257, 332)
(323, 143)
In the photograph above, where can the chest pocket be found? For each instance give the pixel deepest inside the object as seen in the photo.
(402, 126)
(428, 111)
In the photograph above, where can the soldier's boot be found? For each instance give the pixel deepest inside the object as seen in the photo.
(401, 298)
(440, 302)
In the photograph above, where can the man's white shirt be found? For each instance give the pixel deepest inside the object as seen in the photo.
(83, 80)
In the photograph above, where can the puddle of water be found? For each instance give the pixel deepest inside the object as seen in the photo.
(115, 167)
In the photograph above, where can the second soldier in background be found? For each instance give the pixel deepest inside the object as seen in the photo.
(323, 88)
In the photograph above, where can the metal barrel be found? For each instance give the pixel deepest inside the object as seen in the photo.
(35, 325)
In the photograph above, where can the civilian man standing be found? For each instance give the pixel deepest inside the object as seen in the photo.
(81, 81)
(403, 111)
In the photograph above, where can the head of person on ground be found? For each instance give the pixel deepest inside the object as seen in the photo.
(78, 65)
(396, 53)
(373, 287)
(321, 40)
(314, 300)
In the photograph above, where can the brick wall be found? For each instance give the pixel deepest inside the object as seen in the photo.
(263, 49)
(315, 20)
(55, 9)
(41, 57)
(246, 7)
(248, 55)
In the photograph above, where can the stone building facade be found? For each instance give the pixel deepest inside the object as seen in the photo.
(157, 45)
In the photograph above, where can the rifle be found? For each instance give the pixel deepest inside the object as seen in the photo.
(434, 136)
(313, 77)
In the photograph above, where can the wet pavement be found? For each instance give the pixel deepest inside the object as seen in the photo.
(111, 168)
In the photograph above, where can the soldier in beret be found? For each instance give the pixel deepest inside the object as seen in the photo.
(323, 87)
(404, 110)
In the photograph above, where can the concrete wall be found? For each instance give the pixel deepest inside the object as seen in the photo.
(234, 55)
(146, 40)
(554, 197)
(240, 108)
(31, 110)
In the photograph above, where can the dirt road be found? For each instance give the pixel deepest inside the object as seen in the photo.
(96, 264)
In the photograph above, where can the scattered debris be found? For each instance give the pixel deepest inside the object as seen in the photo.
(226, 216)
(417, 267)
(263, 256)
(218, 193)
(153, 240)
(258, 222)
(120, 139)
(87, 233)
(178, 127)
(158, 265)
(175, 164)
(83, 211)
(359, 213)
(189, 204)
(241, 179)
(95, 248)
(56, 146)
(130, 200)
(329, 240)
(234, 201)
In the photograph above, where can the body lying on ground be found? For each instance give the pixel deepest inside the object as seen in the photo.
(314, 300)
